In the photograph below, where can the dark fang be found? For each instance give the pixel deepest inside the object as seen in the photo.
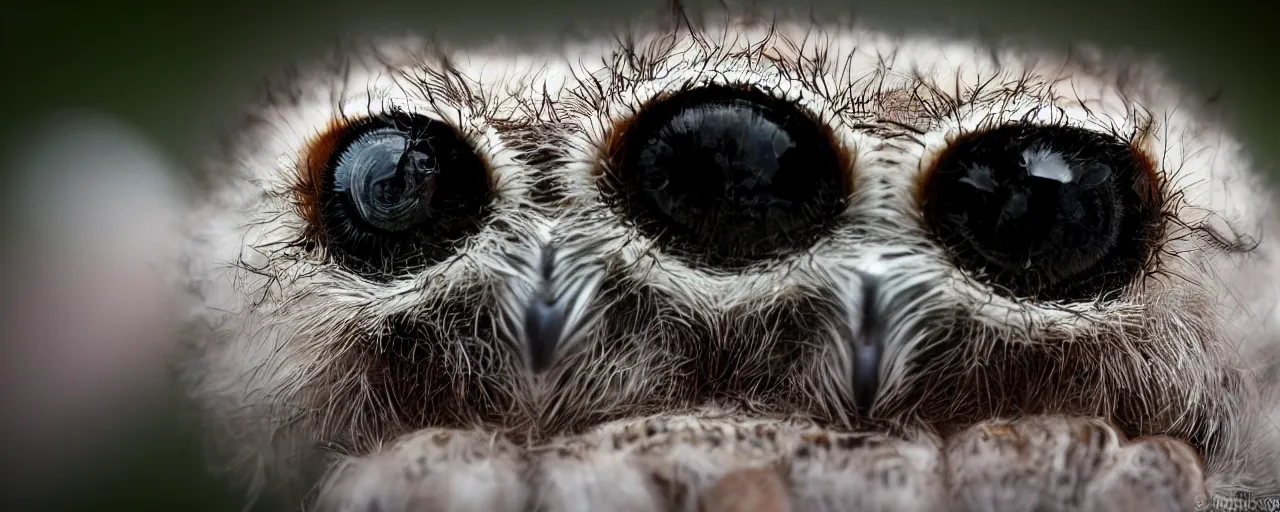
(868, 346)
(543, 324)
(548, 307)
(544, 318)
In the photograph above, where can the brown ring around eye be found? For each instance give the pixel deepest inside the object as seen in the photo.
(392, 193)
(1045, 211)
(313, 164)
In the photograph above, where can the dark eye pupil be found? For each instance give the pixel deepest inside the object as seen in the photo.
(403, 191)
(1043, 211)
(727, 176)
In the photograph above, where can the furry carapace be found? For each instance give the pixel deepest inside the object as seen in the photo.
(602, 302)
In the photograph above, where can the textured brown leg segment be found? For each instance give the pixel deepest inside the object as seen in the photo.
(686, 464)
(432, 470)
(1068, 464)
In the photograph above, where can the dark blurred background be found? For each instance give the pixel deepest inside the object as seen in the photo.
(173, 74)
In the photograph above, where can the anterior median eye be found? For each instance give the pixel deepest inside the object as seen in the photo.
(399, 191)
(726, 176)
(1052, 212)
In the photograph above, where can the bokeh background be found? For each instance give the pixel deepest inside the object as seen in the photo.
(101, 97)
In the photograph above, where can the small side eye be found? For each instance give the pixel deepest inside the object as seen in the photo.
(726, 175)
(1051, 212)
(397, 192)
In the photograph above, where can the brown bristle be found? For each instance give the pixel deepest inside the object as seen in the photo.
(313, 164)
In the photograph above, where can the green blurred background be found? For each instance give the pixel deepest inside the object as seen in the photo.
(177, 72)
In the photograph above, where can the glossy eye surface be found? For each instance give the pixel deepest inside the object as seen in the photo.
(1053, 212)
(727, 176)
(400, 191)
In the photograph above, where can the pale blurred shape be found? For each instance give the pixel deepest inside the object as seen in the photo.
(90, 212)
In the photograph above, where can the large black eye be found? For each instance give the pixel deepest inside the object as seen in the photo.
(727, 176)
(400, 191)
(1052, 212)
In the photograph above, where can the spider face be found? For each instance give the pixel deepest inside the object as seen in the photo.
(755, 221)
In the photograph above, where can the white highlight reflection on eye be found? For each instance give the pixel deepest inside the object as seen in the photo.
(1048, 165)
